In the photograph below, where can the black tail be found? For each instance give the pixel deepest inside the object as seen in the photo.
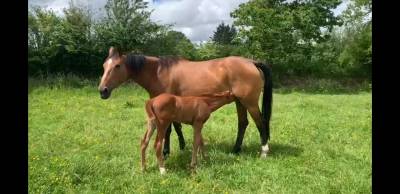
(267, 95)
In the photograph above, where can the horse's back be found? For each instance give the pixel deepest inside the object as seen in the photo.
(233, 73)
(233, 66)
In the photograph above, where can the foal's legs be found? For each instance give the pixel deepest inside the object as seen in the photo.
(242, 125)
(158, 144)
(197, 126)
(145, 141)
(201, 148)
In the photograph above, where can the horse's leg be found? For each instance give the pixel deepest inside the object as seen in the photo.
(161, 130)
(196, 142)
(178, 130)
(242, 125)
(143, 147)
(202, 149)
(166, 149)
(145, 141)
(257, 117)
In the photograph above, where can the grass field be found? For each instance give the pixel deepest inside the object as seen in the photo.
(78, 143)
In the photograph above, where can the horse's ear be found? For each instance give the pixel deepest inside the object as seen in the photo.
(113, 51)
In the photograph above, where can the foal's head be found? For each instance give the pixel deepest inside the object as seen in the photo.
(117, 70)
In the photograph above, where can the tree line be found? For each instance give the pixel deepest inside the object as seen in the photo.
(299, 38)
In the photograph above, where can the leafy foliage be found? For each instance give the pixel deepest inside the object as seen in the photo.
(224, 34)
(283, 32)
(300, 37)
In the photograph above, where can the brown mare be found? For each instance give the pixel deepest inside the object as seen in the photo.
(244, 77)
(193, 110)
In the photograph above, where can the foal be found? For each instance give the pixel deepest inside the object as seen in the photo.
(194, 110)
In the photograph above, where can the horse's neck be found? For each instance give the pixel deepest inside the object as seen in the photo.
(148, 77)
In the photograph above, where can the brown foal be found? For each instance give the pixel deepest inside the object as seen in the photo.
(194, 110)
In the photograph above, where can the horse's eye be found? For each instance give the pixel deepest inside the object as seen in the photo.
(118, 66)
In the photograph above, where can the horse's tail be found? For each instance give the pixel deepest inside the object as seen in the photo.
(267, 95)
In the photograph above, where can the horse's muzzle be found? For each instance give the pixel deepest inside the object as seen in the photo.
(105, 93)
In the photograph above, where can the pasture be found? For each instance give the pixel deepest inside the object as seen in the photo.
(79, 143)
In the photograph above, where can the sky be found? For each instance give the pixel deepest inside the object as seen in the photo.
(197, 19)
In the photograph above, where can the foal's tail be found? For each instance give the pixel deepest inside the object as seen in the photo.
(150, 112)
(149, 109)
(267, 95)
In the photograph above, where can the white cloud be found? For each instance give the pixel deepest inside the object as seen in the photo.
(340, 8)
(197, 19)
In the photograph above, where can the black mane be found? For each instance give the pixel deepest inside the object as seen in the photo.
(167, 61)
(135, 62)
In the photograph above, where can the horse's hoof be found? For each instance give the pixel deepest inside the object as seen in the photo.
(204, 156)
(236, 150)
(163, 171)
(165, 154)
(263, 156)
(182, 145)
(193, 168)
(193, 171)
(264, 151)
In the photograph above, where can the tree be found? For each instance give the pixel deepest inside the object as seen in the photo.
(284, 32)
(77, 28)
(324, 58)
(43, 41)
(76, 38)
(224, 34)
(357, 52)
(170, 42)
(73, 43)
(181, 45)
(207, 51)
(127, 25)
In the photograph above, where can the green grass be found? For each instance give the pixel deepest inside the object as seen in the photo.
(78, 143)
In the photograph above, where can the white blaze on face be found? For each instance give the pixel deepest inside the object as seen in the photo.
(109, 61)
(106, 69)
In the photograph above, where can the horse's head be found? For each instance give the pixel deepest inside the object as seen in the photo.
(115, 73)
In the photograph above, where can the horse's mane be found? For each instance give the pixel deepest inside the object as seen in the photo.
(168, 61)
(135, 61)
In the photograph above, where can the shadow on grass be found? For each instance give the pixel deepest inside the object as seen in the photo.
(253, 150)
(221, 154)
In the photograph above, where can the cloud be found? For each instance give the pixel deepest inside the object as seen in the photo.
(340, 8)
(197, 19)
(96, 6)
